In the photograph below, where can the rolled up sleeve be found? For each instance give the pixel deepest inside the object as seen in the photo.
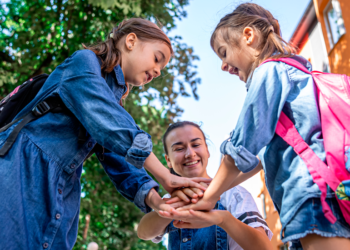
(268, 92)
(87, 95)
(133, 183)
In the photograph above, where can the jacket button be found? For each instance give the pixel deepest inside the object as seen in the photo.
(58, 216)
(45, 245)
(72, 165)
(184, 240)
(60, 191)
(90, 144)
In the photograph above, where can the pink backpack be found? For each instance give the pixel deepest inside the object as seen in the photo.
(333, 92)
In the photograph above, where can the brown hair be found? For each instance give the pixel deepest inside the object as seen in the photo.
(179, 125)
(110, 54)
(252, 15)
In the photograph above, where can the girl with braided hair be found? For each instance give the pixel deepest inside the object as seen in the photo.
(244, 39)
(40, 174)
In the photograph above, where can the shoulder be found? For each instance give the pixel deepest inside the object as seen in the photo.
(82, 61)
(238, 201)
(270, 75)
(84, 54)
(243, 207)
(85, 58)
(236, 195)
(270, 69)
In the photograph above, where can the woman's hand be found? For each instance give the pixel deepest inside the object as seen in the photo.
(187, 194)
(158, 204)
(183, 214)
(198, 219)
(169, 181)
(203, 204)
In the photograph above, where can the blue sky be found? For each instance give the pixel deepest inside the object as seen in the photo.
(222, 95)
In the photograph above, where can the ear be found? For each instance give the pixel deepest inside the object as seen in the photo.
(168, 162)
(249, 36)
(130, 41)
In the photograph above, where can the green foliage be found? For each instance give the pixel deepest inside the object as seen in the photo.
(36, 36)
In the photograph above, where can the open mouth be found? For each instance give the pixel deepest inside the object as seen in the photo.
(149, 77)
(191, 164)
(234, 71)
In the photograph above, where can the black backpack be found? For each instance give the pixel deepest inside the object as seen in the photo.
(20, 97)
(13, 103)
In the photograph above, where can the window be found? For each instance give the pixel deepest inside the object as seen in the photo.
(262, 196)
(334, 22)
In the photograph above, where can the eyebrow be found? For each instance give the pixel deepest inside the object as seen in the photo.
(180, 143)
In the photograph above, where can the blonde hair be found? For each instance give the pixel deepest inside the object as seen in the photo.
(252, 15)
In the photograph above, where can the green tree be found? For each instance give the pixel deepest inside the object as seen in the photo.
(36, 36)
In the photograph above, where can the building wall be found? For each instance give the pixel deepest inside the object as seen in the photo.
(339, 55)
(314, 49)
(271, 215)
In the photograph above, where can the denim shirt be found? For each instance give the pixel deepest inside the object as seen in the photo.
(214, 237)
(40, 176)
(276, 87)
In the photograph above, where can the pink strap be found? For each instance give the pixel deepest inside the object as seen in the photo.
(289, 61)
(319, 171)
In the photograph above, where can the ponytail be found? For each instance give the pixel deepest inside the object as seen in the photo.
(260, 19)
(108, 50)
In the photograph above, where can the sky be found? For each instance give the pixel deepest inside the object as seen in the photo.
(221, 94)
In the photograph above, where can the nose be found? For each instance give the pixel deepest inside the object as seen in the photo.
(156, 72)
(224, 66)
(190, 152)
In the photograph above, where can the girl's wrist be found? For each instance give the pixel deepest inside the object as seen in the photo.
(153, 200)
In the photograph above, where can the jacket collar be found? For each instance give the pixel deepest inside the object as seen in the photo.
(119, 75)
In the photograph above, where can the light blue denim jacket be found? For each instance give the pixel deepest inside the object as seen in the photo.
(273, 87)
(40, 175)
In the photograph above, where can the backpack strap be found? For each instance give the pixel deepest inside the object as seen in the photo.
(52, 104)
(319, 171)
(289, 61)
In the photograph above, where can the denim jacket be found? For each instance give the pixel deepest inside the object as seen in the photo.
(214, 237)
(276, 87)
(40, 175)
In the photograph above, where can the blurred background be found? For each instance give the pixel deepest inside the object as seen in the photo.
(37, 35)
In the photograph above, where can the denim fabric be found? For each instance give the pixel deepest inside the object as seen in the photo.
(310, 220)
(40, 176)
(212, 238)
(274, 87)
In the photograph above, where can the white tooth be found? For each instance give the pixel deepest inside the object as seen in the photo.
(191, 163)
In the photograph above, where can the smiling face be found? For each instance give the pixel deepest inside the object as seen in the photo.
(187, 152)
(237, 59)
(141, 61)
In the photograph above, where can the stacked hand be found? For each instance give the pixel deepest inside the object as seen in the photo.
(191, 209)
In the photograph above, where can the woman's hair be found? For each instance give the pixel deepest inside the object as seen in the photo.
(252, 15)
(175, 126)
(108, 50)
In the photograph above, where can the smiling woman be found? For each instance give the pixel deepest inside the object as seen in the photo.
(235, 223)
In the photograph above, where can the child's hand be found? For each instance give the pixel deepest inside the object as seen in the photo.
(172, 182)
(202, 205)
(198, 219)
(187, 194)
